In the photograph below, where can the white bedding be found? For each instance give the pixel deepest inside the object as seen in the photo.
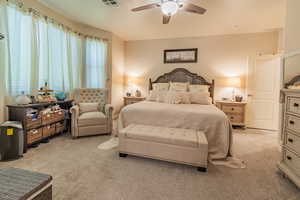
(207, 118)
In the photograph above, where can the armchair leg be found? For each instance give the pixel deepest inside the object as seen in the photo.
(202, 169)
(123, 155)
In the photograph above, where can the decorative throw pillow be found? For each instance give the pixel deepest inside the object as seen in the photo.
(178, 98)
(161, 86)
(88, 107)
(178, 87)
(156, 95)
(161, 96)
(185, 98)
(202, 98)
(198, 88)
(173, 98)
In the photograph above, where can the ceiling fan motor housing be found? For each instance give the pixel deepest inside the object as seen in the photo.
(112, 3)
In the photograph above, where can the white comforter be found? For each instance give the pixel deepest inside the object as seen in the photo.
(207, 118)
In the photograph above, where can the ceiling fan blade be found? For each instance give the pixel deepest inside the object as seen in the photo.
(189, 7)
(166, 19)
(149, 6)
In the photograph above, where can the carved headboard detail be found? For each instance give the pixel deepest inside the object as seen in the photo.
(183, 75)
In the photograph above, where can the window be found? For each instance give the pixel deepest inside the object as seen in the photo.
(38, 50)
(95, 64)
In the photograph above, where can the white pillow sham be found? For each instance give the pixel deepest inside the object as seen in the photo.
(198, 88)
(178, 87)
(161, 86)
(202, 98)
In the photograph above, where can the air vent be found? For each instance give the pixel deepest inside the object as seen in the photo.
(112, 3)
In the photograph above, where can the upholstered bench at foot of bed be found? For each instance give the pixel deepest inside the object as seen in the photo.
(184, 146)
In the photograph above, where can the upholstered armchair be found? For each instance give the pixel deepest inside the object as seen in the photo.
(91, 115)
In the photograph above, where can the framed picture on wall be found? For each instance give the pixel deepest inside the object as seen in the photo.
(181, 55)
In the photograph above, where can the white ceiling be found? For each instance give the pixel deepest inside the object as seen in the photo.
(222, 17)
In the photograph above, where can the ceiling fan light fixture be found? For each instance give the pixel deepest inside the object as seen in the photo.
(169, 8)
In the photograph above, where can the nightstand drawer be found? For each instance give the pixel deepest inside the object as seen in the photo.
(293, 105)
(293, 142)
(232, 109)
(292, 161)
(234, 118)
(293, 123)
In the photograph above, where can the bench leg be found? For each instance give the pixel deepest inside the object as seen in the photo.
(202, 169)
(123, 155)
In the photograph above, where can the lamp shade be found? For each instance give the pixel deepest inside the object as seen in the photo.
(234, 82)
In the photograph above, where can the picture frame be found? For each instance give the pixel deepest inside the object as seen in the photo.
(181, 56)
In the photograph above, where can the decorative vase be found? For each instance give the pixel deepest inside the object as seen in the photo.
(22, 99)
(238, 98)
(138, 93)
(60, 95)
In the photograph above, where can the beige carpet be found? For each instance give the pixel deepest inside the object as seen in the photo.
(81, 171)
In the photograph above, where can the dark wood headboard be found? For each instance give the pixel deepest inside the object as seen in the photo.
(183, 75)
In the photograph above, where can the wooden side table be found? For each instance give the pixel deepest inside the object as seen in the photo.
(236, 111)
(131, 100)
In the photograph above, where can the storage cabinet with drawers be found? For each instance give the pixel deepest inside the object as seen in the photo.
(40, 126)
(290, 135)
(234, 110)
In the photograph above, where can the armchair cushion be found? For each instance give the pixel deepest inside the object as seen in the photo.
(92, 119)
(88, 107)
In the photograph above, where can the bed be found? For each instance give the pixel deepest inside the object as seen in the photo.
(207, 118)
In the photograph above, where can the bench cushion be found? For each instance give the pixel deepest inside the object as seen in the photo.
(175, 136)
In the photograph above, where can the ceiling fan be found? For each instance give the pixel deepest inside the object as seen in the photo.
(171, 7)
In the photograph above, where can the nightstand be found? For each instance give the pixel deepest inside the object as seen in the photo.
(131, 100)
(236, 111)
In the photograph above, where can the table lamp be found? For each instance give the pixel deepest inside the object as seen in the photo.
(132, 84)
(234, 83)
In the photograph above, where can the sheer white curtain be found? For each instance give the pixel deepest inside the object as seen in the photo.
(95, 62)
(60, 57)
(37, 50)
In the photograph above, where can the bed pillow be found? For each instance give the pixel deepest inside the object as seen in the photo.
(156, 95)
(161, 86)
(161, 97)
(177, 98)
(88, 107)
(178, 87)
(199, 88)
(202, 98)
(173, 98)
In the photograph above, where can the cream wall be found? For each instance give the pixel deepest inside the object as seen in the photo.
(292, 27)
(118, 67)
(219, 56)
(292, 39)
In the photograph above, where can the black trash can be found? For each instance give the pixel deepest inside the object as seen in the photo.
(11, 141)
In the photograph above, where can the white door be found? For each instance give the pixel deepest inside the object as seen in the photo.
(263, 90)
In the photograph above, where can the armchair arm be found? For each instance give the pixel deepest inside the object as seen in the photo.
(108, 110)
(74, 119)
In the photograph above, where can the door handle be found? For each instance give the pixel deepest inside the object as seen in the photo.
(250, 95)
